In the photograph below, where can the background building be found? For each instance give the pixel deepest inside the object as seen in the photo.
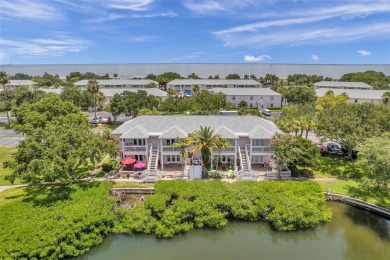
(260, 98)
(14, 83)
(342, 85)
(356, 95)
(119, 83)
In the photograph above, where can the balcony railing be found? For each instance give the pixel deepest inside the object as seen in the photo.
(134, 149)
(170, 149)
(263, 149)
(226, 150)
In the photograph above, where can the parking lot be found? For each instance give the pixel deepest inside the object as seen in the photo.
(121, 117)
(9, 138)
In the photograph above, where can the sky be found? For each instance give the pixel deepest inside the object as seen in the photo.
(189, 31)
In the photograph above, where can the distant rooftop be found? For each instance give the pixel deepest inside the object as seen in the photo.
(21, 82)
(344, 84)
(214, 82)
(246, 91)
(110, 92)
(353, 93)
(118, 82)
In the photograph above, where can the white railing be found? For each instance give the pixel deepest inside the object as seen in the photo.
(248, 159)
(134, 148)
(170, 149)
(158, 152)
(150, 156)
(239, 154)
(261, 149)
(227, 150)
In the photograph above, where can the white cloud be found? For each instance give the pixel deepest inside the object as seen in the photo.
(364, 53)
(134, 5)
(297, 36)
(151, 15)
(142, 39)
(106, 18)
(58, 45)
(203, 6)
(189, 56)
(28, 10)
(315, 57)
(256, 58)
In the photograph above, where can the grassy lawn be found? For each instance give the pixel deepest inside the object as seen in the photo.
(275, 109)
(334, 167)
(11, 194)
(6, 154)
(351, 188)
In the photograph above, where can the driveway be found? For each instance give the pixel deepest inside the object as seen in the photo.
(9, 138)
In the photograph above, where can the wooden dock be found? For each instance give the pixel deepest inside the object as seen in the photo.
(358, 203)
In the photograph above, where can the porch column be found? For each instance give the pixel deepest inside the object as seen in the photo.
(161, 155)
(123, 148)
(147, 154)
(250, 152)
(235, 153)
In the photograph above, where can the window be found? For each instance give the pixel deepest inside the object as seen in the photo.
(139, 142)
(272, 97)
(251, 97)
(233, 98)
(250, 105)
(356, 100)
(259, 142)
(139, 158)
(170, 141)
(272, 105)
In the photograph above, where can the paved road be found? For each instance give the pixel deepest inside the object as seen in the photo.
(9, 138)
(121, 117)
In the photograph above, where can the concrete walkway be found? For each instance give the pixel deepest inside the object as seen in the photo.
(3, 188)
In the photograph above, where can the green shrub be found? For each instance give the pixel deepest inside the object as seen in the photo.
(55, 221)
(179, 206)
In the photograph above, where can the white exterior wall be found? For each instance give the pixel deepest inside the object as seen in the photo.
(257, 101)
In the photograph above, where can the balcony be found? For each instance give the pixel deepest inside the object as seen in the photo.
(134, 148)
(262, 149)
(228, 150)
(170, 149)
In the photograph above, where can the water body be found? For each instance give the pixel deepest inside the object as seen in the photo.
(352, 234)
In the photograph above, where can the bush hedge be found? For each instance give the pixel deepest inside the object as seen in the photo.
(56, 221)
(179, 206)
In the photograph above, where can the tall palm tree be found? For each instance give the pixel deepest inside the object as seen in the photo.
(4, 80)
(386, 97)
(309, 124)
(221, 144)
(93, 87)
(100, 97)
(183, 144)
(204, 140)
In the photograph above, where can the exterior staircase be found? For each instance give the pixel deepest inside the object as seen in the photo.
(243, 161)
(153, 160)
(152, 174)
(245, 173)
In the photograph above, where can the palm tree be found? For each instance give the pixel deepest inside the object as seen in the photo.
(221, 144)
(309, 124)
(171, 92)
(4, 80)
(183, 144)
(195, 89)
(100, 97)
(93, 88)
(204, 140)
(386, 97)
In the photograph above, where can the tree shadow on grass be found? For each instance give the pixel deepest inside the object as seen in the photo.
(47, 195)
(367, 194)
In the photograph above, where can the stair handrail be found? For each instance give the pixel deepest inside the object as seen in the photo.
(239, 154)
(150, 157)
(248, 159)
(156, 163)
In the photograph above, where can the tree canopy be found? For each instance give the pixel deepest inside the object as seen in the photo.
(376, 79)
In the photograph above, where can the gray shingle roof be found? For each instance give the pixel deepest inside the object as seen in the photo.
(225, 132)
(173, 132)
(84, 82)
(246, 91)
(51, 90)
(241, 126)
(136, 132)
(342, 84)
(353, 93)
(260, 133)
(214, 82)
(21, 82)
(110, 92)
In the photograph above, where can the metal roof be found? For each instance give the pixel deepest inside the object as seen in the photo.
(342, 84)
(84, 82)
(239, 125)
(354, 93)
(110, 92)
(136, 132)
(246, 91)
(221, 82)
(21, 82)
(173, 132)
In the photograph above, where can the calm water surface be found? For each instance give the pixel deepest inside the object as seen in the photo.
(352, 234)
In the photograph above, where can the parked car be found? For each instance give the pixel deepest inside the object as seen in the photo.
(96, 120)
(321, 147)
(266, 112)
(333, 147)
(106, 120)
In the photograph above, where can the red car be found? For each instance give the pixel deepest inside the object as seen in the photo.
(106, 120)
